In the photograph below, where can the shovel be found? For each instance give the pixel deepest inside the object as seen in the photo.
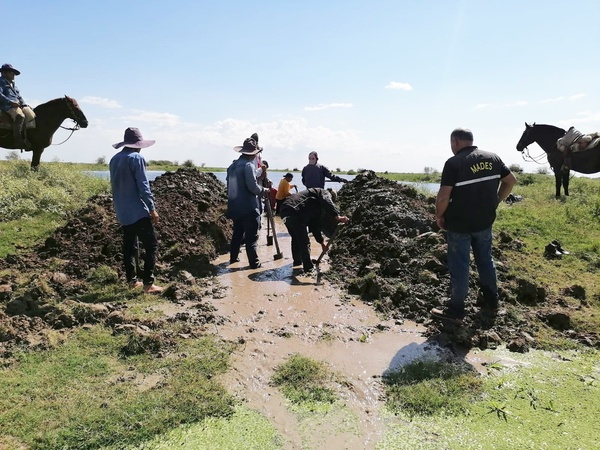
(269, 237)
(317, 261)
(277, 255)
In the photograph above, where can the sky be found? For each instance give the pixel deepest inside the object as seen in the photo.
(372, 84)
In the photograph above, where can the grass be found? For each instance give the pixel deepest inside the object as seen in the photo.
(541, 400)
(244, 429)
(304, 381)
(430, 387)
(33, 204)
(79, 394)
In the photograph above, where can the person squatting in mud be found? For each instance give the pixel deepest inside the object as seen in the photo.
(134, 206)
(473, 183)
(243, 203)
(303, 211)
(314, 174)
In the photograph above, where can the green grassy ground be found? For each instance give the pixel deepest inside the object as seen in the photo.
(83, 392)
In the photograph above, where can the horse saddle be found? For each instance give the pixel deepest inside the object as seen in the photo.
(6, 122)
(575, 141)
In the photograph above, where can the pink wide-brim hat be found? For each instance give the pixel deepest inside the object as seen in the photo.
(133, 138)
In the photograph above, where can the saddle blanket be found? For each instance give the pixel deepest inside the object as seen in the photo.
(575, 141)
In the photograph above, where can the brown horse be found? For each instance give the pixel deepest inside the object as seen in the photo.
(49, 116)
(587, 161)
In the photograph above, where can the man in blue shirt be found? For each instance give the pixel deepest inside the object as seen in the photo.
(134, 206)
(12, 102)
(243, 202)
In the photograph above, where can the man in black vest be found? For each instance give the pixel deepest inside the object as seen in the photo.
(473, 183)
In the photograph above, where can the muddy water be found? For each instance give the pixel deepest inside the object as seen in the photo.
(276, 312)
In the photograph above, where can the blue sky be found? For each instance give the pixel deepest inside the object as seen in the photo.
(368, 84)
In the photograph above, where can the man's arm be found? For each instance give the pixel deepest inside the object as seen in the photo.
(138, 168)
(332, 176)
(506, 185)
(250, 177)
(441, 205)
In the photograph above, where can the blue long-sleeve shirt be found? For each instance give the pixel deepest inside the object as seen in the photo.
(242, 189)
(132, 197)
(9, 94)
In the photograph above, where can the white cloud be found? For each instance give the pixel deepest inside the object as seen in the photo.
(99, 101)
(323, 106)
(590, 120)
(156, 118)
(396, 85)
(553, 100)
(561, 98)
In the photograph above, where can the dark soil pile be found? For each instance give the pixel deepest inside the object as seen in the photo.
(393, 255)
(192, 231)
(39, 286)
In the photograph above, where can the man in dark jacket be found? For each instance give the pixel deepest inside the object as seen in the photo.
(303, 210)
(473, 183)
(314, 174)
(243, 202)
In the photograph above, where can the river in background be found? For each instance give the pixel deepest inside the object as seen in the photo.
(276, 176)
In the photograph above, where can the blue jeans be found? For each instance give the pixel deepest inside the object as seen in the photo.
(459, 256)
(245, 229)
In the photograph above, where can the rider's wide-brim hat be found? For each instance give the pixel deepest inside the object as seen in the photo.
(133, 138)
(9, 67)
(250, 147)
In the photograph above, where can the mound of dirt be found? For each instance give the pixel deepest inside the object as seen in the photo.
(192, 231)
(392, 254)
(38, 287)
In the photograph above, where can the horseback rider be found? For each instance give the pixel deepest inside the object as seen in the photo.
(12, 102)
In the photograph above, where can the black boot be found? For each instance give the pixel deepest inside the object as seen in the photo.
(18, 132)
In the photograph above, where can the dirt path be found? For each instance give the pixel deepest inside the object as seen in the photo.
(276, 313)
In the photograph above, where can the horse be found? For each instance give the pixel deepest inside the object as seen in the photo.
(587, 161)
(49, 116)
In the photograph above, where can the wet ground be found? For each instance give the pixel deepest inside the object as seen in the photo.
(276, 313)
(367, 313)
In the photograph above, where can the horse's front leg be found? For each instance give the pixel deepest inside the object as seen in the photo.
(558, 181)
(35, 159)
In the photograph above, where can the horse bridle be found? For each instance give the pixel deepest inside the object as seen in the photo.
(72, 117)
(73, 129)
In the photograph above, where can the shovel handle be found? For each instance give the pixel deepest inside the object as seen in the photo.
(337, 227)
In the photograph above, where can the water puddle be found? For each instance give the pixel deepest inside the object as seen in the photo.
(276, 311)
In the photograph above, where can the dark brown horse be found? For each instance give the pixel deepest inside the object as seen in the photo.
(49, 116)
(587, 161)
